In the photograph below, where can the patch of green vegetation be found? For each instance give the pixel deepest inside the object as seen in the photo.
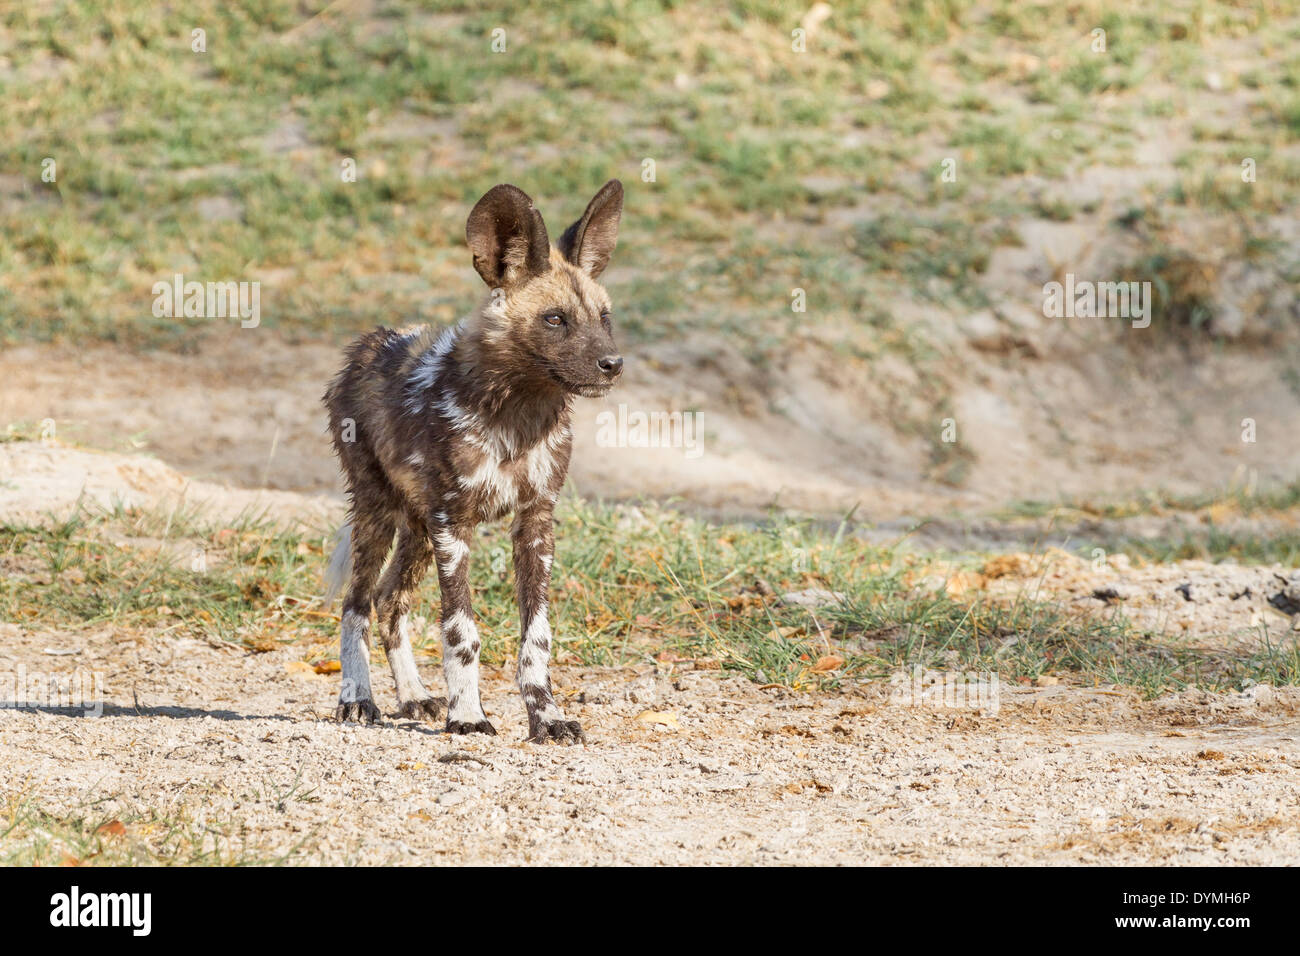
(1246, 499)
(630, 585)
(1184, 268)
(1217, 544)
(1002, 148)
(941, 255)
(1027, 639)
(1054, 208)
(113, 832)
(133, 569)
(227, 163)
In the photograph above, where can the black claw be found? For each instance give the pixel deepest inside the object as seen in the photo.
(560, 731)
(427, 708)
(357, 712)
(465, 727)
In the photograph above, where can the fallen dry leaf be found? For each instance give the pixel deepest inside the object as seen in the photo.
(668, 657)
(664, 718)
(829, 662)
(327, 667)
(779, 633)
(113, 828)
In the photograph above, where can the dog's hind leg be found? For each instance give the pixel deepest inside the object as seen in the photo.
(372, 536)
(410, 562)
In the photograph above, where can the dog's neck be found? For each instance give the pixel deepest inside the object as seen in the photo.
(504, 390)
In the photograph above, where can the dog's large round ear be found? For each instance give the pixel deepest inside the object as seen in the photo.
(590, 241)
(507, 237)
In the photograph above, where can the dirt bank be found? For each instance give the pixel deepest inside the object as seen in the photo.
(810, 435)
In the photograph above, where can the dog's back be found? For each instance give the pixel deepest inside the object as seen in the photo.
(357, 396)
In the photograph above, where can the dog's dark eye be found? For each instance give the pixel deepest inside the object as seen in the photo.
(553, 319)
(604, 318)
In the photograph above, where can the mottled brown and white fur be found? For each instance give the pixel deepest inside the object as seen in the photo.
(439, 430)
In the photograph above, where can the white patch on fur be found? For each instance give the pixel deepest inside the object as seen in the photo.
(415, 458)
(354, 656)
(539, 465)
(405, 674)
(495, 443)
(539, 630)
(429, 367)
(456, 417)
(451, 551)
(462, 679)
(498, 487)
(534, 666)
(558, 436)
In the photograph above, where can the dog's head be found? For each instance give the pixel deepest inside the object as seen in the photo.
(547, 315)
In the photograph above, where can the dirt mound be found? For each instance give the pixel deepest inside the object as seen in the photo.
(807, 434)
(1196, 603)
(45, 481)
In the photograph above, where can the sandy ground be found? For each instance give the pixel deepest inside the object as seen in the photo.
(723, 771)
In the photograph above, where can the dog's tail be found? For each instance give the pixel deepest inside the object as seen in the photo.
(340, 566)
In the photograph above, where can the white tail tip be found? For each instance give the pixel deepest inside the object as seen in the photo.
(340, 566)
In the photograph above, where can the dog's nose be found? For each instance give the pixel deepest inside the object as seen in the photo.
(610, 365)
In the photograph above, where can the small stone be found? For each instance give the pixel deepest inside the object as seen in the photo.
(812, 598)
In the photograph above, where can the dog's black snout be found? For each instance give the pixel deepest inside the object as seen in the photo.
(610, 365)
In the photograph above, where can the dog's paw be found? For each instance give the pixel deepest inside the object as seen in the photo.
(467, 727)
(423, 708)
(357, 711)
(560, 731)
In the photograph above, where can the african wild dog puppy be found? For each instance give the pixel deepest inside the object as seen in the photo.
(438, 431)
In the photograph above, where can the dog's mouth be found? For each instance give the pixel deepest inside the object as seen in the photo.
(590, 389)
(585, 389)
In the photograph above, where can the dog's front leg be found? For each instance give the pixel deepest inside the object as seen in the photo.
(533, 543)
(460, 640)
